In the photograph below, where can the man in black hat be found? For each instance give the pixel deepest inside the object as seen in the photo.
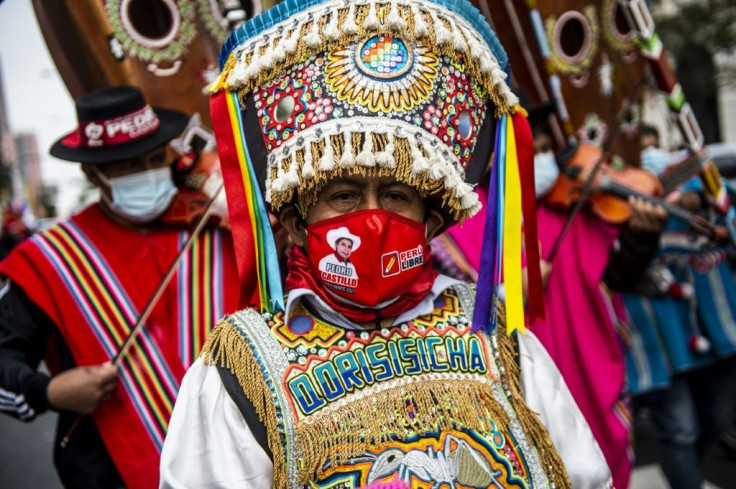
(79, 287)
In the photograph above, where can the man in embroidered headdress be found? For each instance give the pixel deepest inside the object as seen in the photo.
(71, 295)
(374, 117)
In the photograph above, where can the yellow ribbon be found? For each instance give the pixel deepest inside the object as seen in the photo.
(512, 238)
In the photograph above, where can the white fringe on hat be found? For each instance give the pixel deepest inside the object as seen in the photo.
(264, 53)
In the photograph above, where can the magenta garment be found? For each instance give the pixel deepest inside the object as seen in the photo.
(469, 237)
(579, 332)
(591, 361)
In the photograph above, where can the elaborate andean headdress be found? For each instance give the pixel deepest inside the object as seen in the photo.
(315, 89)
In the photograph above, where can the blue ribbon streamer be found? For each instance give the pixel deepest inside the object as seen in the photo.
(730, 216)
(484, 313)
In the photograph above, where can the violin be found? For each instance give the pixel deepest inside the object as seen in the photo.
(197, 176)
(611, 190)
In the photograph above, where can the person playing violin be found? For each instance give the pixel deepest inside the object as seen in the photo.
(71, 294)
(579, 333)
(580, 329)
(687, 380)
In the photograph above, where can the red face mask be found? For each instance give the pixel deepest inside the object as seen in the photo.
(367, 258)
(365, 264)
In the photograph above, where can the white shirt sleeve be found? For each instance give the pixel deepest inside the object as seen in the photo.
(546, 393)
(208, 444)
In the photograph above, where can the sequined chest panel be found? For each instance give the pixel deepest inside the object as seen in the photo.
(421, 401)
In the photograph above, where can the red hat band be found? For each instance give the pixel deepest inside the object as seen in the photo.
(111, 132)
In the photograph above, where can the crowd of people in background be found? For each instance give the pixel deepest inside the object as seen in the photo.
(18, 223)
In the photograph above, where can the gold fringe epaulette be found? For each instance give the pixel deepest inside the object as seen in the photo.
(536, 432)
(226, 347)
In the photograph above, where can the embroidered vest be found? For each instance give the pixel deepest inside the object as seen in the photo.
(426, 401)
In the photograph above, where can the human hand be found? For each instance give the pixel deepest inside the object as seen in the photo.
(546, 268)
(687, 200)
(673, 198)
(82, 389)
(646, 217)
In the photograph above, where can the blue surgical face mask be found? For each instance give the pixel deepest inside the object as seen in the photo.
(140, 197)
(654, 160)
(546, 172)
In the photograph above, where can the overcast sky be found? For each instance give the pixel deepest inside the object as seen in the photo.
(37, 100)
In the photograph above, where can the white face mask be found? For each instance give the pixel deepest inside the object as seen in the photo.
(140, 197)
(546, 172)
(654, 160)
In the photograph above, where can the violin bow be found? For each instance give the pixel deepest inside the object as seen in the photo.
(587, 190)
(148, 309)
(167, 279)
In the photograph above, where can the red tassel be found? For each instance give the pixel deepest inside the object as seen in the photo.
(245, 251)
(525, 153)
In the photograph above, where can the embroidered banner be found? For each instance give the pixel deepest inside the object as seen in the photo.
(424, 396)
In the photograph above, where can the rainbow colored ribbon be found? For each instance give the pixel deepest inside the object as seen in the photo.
(510, 196)
(268, 271)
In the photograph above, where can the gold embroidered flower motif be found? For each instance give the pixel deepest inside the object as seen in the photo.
(382, 73)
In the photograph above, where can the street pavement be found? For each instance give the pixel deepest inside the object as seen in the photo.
(718, 469)
(651, 477)
(25, 453)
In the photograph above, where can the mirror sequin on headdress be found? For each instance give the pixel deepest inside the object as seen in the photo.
(370, 88)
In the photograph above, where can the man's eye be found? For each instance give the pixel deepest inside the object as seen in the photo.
(127, 166)
(343, 196)
(396, 197)
(157, 157)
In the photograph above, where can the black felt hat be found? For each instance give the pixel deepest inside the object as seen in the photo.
(537, 113)
(117, 124)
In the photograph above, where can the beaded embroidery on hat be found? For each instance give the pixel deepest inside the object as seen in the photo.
(375, 88)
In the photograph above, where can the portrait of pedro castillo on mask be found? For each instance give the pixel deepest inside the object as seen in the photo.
(368, 275)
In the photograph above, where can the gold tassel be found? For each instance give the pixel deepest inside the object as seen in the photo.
(536, 433)
(339, 434)
(308, 190)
